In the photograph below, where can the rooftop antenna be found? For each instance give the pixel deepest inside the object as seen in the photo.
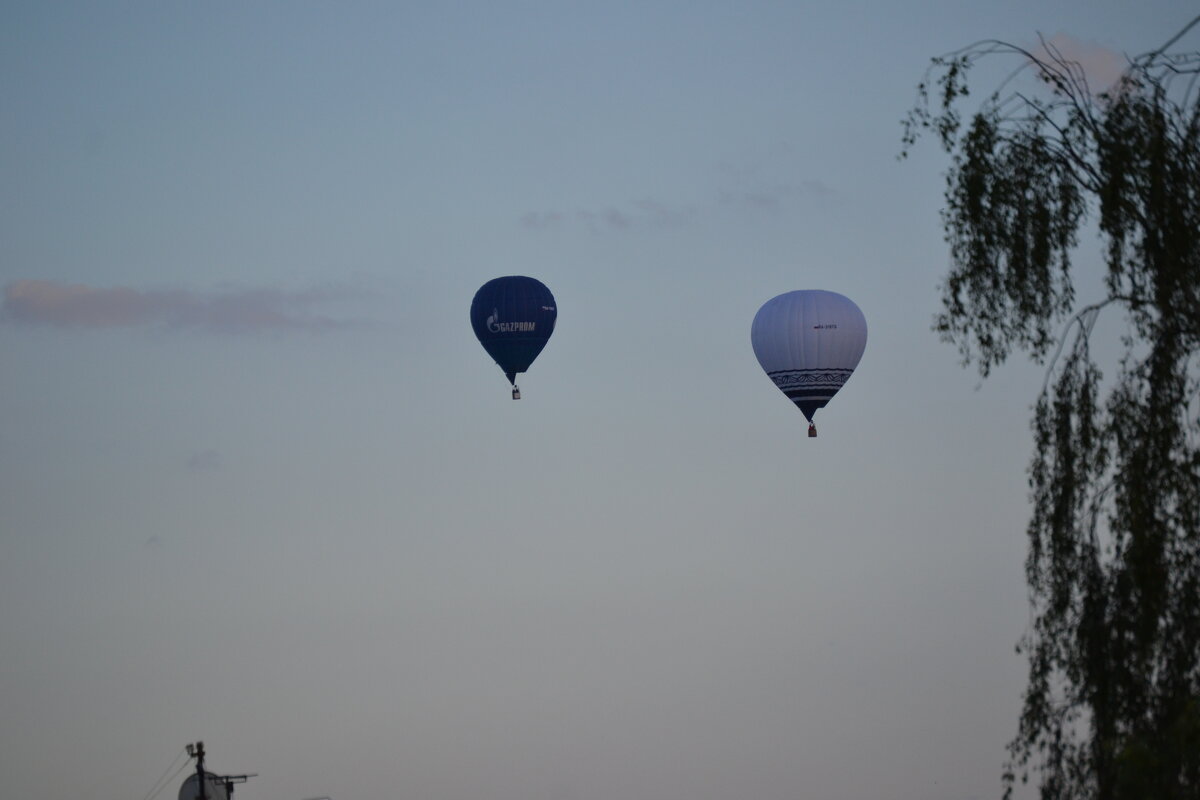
(196, 751)
(230, 780)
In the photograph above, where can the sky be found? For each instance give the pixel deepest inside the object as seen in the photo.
(260, 486)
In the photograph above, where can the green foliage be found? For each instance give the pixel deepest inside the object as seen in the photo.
(1112, 705)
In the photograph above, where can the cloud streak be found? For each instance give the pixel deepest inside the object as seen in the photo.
(77, 305)
(1101, 66)
(205, 461)
(773, 196)
(746, 185)
(642, 214)
(651, 214)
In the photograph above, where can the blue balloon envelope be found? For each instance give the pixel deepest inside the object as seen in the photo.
(513, 318)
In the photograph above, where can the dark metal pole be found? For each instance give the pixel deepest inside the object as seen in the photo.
(200, 769)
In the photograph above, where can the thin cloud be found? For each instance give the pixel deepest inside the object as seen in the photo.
(609, 219)
(542, 220)
(1102, 66)
(63, 305)
(739, 188)
(640, 215)
(205, 461)
(769, 197)
(662, 215)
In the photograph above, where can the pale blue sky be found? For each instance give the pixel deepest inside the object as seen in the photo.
(281, 500)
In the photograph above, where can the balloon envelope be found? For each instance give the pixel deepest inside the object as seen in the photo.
(809, 342)
(513, 318)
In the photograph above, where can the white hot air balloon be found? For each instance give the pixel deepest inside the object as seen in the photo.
(809, 342)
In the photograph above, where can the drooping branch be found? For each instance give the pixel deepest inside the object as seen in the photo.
(1111, 709)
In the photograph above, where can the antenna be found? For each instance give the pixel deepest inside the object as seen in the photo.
(230, 780)
(196, 751)
(199, 756)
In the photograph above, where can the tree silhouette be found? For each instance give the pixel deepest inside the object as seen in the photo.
(1112, 704)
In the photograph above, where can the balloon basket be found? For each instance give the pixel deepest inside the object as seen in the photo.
(517, 394)
(812, 431)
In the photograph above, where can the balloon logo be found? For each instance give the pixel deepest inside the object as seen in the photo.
(809, 342)
(513, 318)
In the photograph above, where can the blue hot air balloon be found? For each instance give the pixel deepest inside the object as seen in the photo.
(513, 318)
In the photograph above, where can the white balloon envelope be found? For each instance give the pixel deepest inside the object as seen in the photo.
(809, 343)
